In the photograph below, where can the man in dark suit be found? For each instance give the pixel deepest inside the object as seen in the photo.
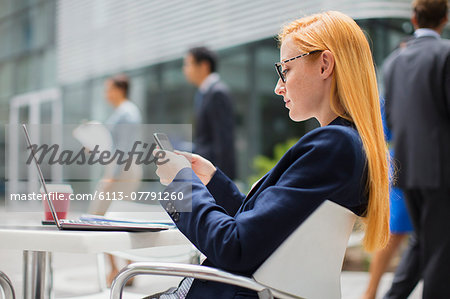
(417, 92)
(214, 120)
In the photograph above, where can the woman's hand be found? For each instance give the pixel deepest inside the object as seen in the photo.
(203, 168)
(169, 165)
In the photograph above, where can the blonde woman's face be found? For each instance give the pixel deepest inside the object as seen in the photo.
(303, 91)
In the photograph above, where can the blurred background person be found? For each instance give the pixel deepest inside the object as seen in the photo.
(116, 179)
(126, 114)
(417, 92)
(213, 110)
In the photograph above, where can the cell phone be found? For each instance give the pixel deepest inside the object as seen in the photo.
(163, 141)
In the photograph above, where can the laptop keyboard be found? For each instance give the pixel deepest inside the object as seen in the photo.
(87, 222)
(110, 226)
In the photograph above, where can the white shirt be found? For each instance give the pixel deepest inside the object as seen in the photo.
(126, 113)
(123, 127)
(426, 32)
(208, 82)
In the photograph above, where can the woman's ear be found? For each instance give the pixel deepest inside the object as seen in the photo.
(326, 64)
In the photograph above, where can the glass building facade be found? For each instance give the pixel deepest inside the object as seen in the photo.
(27, 55)
(31, 58)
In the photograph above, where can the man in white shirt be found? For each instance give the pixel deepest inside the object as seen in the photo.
(117, 178)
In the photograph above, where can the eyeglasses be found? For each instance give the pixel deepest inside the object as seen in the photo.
(279, 65)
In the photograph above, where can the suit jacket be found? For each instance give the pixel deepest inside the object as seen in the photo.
(214, 129)
(417, 92)
(238, 233)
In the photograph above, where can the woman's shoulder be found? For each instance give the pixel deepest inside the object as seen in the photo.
(330, 147)
(337, 144)
(337, 135)
(333, 158)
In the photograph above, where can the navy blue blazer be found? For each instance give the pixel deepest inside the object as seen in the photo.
(238, 233)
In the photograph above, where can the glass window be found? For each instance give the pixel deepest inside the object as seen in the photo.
(28, 29)
(37, 18)
(27, 68)
(5, 37)
(5, 8)
(385, 35)
(21, 4)
(21, 75)
(77, 103)
(22, 32)
(46, 112)
(43, 22)
(47, 70)
(5, 81)
(234, 68)
(101, 110)
(138, 91)
(154, 106)
(176, 98)
(4, 113)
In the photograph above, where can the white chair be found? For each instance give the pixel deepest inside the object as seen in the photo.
(307, 264)
(6, 286)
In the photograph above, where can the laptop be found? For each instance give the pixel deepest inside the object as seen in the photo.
(66, 224)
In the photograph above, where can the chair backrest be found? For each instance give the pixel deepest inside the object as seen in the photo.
(6, 286)
(309, 262)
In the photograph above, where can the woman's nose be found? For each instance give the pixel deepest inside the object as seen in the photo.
(280, 89)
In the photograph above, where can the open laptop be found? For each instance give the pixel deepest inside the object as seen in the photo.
(66, 224)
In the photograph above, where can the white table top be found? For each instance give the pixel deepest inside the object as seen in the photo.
(38, 238)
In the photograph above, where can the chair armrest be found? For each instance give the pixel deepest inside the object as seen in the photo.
(195, 271)
(7, 286)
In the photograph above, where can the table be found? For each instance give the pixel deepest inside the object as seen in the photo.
(38, 242)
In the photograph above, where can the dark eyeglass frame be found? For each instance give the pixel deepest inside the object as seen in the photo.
(279, 65)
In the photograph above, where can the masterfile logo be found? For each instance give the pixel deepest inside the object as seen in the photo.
(140, 153)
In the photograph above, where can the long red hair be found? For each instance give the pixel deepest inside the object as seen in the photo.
(354, 96)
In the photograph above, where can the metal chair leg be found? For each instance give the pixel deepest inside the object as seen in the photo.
(101, 272)
(265, 294)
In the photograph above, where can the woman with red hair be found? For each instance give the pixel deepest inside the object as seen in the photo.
(326, 72)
